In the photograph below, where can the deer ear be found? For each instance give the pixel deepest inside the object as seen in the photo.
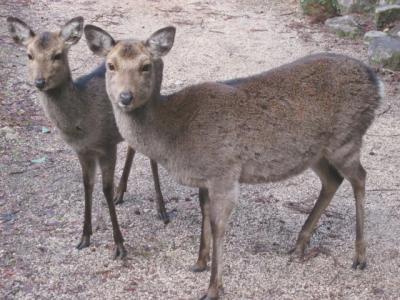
(20, 32)
(98, 40)
(71, 32)
(161, 41)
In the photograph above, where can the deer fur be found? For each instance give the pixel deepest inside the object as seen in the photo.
(311, 113)
(82, 113)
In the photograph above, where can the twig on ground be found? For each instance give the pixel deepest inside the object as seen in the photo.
(216, 31)
(385, 111)
(17, 172)
(314, 252)
(383, 135)
(258, 29)
(383, 190)
(287, 14)
(174, 9)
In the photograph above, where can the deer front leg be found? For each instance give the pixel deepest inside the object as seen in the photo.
(222, 199)
(88, 165)
(205, 238)
(162, 212)
(119, 195)
(107, 165)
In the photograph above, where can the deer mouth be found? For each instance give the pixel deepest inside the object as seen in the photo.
(123, 106)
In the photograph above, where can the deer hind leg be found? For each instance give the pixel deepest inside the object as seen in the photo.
(107, 166)
(330, 180)
(88, 165)
(162, 212)
(119, 195)
(349, 165)
(205, 238)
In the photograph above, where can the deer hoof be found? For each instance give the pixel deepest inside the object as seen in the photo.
(359, 264)
(215, 294)
(199, 267)
(119, 198)
(206, 297)
(297, 252)
(359, 260)
(164, 216)
(84, 242)
(120, 251)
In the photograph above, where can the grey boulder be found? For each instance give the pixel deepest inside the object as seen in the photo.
(387, 15)
(344, 26)
(385, 52)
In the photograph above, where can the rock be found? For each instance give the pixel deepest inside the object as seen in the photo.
(386, 15)
(352, 6)
(370, 35)
(319, 10)
(386, 2)
(9, 133)
(344, 26)
(395, 30)
(385, 52)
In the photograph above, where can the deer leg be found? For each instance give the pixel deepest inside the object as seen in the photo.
(162, 212)
(358, 184)
(205, 238)
(330, 180)
(88, 165)
(353, 171)
(107, 166)
(221, 204)
(119, 196)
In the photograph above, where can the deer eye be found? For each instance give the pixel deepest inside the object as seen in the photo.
(57, 56)
(145, 68)
(111, 67)
(30, 57)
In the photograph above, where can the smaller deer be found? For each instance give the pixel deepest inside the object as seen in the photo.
(83, 114)
(311, 113)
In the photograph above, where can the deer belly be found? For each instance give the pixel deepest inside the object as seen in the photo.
(254, 172)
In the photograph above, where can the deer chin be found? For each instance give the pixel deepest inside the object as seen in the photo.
(127, 108)
(48, 87)
(130, 107)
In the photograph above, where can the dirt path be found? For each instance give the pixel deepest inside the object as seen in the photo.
(41, 205)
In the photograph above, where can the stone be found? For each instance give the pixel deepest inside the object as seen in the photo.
(344, 26)
(394, 30)
(386, 15)
(386, 2)
(9, 133)
(385, 52)
(353, 6)
(370, 35)
(319, 10)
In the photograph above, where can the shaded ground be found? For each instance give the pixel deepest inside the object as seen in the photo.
(41, 204)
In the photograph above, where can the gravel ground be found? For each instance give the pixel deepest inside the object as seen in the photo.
(41, 204)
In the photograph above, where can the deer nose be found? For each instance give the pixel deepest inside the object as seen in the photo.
(126, 98)
(40, 83)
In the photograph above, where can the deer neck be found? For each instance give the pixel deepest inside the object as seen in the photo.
(63, 105)
(147, 129)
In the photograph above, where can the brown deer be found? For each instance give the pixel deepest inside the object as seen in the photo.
(311, 113)
(82, 113)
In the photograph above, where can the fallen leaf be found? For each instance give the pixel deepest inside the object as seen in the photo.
(45, 129)
(40, 160)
